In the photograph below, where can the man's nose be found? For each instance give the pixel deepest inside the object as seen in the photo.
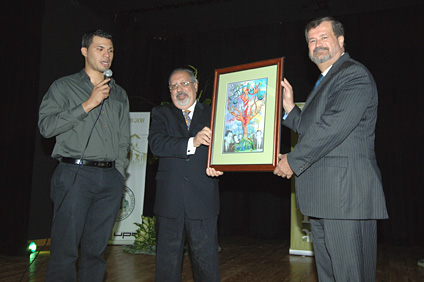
(318, 43)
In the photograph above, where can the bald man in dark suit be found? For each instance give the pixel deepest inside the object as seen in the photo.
(338, 182)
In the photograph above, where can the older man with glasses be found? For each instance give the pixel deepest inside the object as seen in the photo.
(187, 194)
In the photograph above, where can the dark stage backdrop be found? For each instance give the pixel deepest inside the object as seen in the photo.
(258, 204)
(62, 28)
(21, 33)
(42, 44)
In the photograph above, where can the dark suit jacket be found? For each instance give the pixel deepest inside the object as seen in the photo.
(334, 160)
(182, 183)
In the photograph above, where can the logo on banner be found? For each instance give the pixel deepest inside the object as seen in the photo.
(127, 204)
(136, 152)
(307, 233)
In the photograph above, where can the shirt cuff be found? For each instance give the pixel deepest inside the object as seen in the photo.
(285, 115)
(190, 148)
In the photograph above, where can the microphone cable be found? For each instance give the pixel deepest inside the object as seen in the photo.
(81, 160)
(73, 182)
(26, 269)
(86, 144)
(82, 153)
(106, 74)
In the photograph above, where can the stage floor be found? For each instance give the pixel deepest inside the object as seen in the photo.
(241, 260)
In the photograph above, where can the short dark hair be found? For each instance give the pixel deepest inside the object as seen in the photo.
(337, 26)
(87, 38)
(189, 72)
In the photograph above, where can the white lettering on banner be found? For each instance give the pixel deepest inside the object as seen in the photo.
(133, 195)
(306, 229)
(307, 237)
(136, 120)
(301, 235)
(136, 152)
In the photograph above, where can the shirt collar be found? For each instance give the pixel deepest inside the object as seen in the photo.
(84, 77)
(191, 109)
(324, 73)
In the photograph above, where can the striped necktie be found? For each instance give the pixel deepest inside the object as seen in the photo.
(318, 81)
(187, 118)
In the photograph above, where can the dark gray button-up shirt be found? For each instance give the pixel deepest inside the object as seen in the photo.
(62, 115)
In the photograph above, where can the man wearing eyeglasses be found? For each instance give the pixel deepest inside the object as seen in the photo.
(187, 194)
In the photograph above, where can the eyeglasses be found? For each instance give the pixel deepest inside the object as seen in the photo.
(183, 84)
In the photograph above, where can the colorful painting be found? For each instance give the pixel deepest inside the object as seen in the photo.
(246, 117)
(244, 121)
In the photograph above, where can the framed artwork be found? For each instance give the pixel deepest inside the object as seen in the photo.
(246, 117)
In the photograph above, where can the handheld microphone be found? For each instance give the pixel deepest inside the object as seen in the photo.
(108, 74)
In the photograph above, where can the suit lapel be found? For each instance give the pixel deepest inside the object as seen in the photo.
(196, 118)
(179, 117)
(334, 69)
(316, 90)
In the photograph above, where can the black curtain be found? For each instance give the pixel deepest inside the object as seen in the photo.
(60, 55)
(387, 41)
(21, 29)
(258, 204)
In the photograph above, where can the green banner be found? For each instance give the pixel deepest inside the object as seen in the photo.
(300, 232)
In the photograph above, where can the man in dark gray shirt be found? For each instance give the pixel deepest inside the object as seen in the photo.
(89, 116)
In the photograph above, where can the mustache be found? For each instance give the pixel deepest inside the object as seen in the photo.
(181, 93)
(320, 49)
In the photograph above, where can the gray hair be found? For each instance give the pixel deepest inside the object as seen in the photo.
(189, 72)
(337, 26)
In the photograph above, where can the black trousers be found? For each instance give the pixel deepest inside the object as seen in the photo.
(202, 238)
(84, 214)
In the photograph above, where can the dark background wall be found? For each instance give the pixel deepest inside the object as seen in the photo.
(42, 43)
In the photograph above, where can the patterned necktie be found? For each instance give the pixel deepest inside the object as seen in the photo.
(187, 118)
(318, 81)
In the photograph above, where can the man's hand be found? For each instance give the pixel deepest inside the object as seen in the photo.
(288, 100)
(213, 173)
(283, 168)
(203, 137)
(99, 93)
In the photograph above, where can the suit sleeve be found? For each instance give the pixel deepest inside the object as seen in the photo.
(293, 118)
(346, 102)
(162, 143)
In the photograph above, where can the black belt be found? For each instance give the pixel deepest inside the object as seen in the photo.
(88, 163)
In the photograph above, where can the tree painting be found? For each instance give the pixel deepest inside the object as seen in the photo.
(245, 114)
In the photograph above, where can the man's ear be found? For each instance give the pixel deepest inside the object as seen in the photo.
(84, 51)
(340, 39)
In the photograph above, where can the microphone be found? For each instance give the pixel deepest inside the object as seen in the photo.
(108, 74)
